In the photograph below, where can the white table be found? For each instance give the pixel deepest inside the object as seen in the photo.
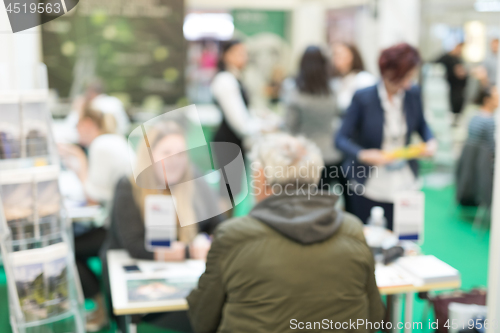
(118, 277)
(84, 213)
(396, 293)
(121, 307)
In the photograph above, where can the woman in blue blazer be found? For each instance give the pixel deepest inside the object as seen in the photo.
(383, 118)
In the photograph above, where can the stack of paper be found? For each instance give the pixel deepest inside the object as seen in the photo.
(428, 269)
(392, 276)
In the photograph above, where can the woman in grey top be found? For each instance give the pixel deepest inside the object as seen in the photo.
(311, 110)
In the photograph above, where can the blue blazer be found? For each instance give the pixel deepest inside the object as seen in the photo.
(363, 128)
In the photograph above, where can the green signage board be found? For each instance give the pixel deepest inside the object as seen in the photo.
(251, 22)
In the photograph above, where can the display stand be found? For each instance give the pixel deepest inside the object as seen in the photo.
(35, 232)
(437, 109)
(26, 138)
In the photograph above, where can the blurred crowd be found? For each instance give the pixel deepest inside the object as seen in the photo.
(357, 128)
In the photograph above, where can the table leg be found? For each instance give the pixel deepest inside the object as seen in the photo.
(409, 312)
(396, 312)
(125, 324)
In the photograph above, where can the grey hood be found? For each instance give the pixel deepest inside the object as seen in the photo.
(303, 217)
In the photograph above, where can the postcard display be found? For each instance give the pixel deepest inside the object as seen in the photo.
(37, 249)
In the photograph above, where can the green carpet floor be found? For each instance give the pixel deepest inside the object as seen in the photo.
(448, 235)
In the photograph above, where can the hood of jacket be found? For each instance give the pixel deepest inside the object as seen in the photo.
(302, 216)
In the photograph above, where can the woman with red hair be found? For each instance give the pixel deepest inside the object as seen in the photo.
(381, 119)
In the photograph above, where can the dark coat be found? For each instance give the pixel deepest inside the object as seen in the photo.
(363, 128)
(293, 257)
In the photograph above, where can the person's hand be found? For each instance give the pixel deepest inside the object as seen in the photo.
(269, 124)
(66, 149)
(460, 71)
(430, 148)
(373, 157)
(74, 159)
(200, 247)
(176, 252)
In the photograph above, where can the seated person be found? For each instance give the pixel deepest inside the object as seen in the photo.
(482, 125)
(95, 93)
(127, 217)
(107, 161)
(294, 258)
(475, 167)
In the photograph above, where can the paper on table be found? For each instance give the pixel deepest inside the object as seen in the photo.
(428, 269)
(159, 289)
(392, 276)
(84, 212)
(158, 269)
(162, 281)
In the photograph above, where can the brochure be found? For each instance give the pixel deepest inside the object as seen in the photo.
(35, 128)
(159, 281)
(10, 129)
(41, 281)
(18, 206)
(160, 289)
(49, 198)
(408, 152)
(31, 201)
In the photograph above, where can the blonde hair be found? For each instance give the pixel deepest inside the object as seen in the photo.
(105, 122)
(184, 198)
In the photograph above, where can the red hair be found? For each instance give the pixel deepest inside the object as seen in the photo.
(396, 61)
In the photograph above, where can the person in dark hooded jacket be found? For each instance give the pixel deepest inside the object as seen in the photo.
(295, 262)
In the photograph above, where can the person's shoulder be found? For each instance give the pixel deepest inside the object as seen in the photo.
(414, 91)
(109, 138)
(107, 141)
(222, 82)
(223, 77)
(370, 90)
(239, 230)
(108, 145)
(481, 120)
(367, 94)
(124, 184)
(352, 227)
(365, 79)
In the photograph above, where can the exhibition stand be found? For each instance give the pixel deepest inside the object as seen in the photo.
(36, 236)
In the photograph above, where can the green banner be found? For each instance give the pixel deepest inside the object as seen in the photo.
(251, 22)
(136, 47)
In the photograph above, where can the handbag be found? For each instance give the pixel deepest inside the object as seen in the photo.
(441, 301)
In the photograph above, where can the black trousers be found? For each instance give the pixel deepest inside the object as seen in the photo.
(88, 245)
(361, 207)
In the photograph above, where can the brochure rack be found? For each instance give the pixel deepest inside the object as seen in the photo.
(35, 232)
(26, 138)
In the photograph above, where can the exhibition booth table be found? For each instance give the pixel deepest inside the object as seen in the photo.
(142, 286)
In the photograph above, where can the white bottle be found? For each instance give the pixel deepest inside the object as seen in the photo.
(377, 218)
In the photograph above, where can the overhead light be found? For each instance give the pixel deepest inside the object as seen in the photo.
(475, 41)
(487, 5)
(208, 25)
